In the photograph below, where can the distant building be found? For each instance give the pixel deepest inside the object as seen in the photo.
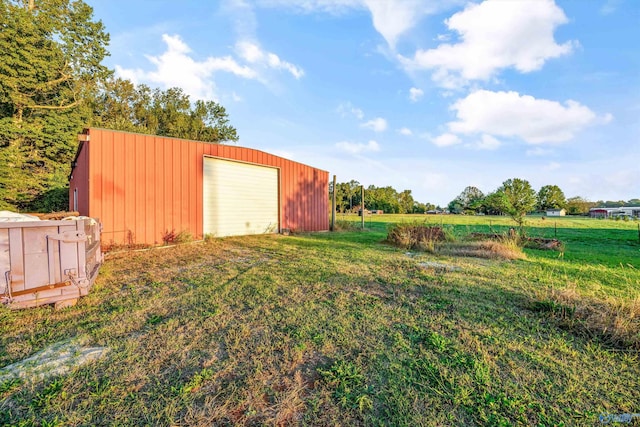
(556, 212)
(358, 209)
(625, 211)
(143, 186)
(599, 213)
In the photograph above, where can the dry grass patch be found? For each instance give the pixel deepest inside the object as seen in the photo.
(614, 321)
(437, 240)
(484, 249)
(345, 225)
(415, 236)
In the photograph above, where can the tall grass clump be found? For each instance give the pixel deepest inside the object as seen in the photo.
(489, 249)
(615, 322)
(416, 236)
(442, 241)
(346, 225)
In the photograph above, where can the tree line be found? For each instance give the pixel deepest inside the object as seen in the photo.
(387, 199)
(473, 201)
(53, 84)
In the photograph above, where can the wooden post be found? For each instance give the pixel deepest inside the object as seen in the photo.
(362, 204)
(333, 205)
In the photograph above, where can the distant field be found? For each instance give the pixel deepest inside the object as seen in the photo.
(343, 329)
(597, 250)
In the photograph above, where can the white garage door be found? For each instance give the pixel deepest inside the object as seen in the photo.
(239, 198)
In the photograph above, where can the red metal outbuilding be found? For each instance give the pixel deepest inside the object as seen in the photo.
(143, 186)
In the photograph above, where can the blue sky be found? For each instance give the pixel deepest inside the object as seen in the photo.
(430, 96)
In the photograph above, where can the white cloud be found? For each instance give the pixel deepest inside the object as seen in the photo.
(552, 166)
(390, 18)
(610, 6)
(236, 97)
(393, 18)
(510, 114)
(176, 68)
(356, 148)
(607, 118)
(252, 53)
(494, 35)
(377, 125)
(242, 17)
(445, 140)
(488, 142)
(405, 131)
(538, 151)
(415, 94)
(346, 108)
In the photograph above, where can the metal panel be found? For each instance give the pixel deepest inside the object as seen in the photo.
(239, 198)
(16, 264)
(79, 182)
(48, 260)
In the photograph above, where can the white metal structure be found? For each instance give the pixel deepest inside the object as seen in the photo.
(556, 212)
(239, 198)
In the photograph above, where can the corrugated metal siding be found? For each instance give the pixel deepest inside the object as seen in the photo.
(80, 181)
(142, 186)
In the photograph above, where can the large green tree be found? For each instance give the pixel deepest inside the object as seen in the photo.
(578, 205)
(469, 201)
(517, 198)
(121, 105)
(406, 202)
(551, 197)
(53, 84)
(387, 199)
(50, 57)
(494, 203)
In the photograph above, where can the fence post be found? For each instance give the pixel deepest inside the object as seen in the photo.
(362, 204)
(333, 205)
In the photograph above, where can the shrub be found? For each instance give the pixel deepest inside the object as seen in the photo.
(171, 237)
(416, 236)
(53, 200)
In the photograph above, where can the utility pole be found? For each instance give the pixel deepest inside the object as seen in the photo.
(333, 205)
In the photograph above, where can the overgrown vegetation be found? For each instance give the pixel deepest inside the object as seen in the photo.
(439, 240)
(342, 225)
(53, 84)
(416, 236)
(342, 329)
(172, 237)
(614, 321)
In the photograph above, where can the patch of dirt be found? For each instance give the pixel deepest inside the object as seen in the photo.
(439, 267)
(57, 359)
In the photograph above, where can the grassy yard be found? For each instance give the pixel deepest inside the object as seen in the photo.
(342, 329)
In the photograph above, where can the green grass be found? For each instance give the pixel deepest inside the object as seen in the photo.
(338, 329)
